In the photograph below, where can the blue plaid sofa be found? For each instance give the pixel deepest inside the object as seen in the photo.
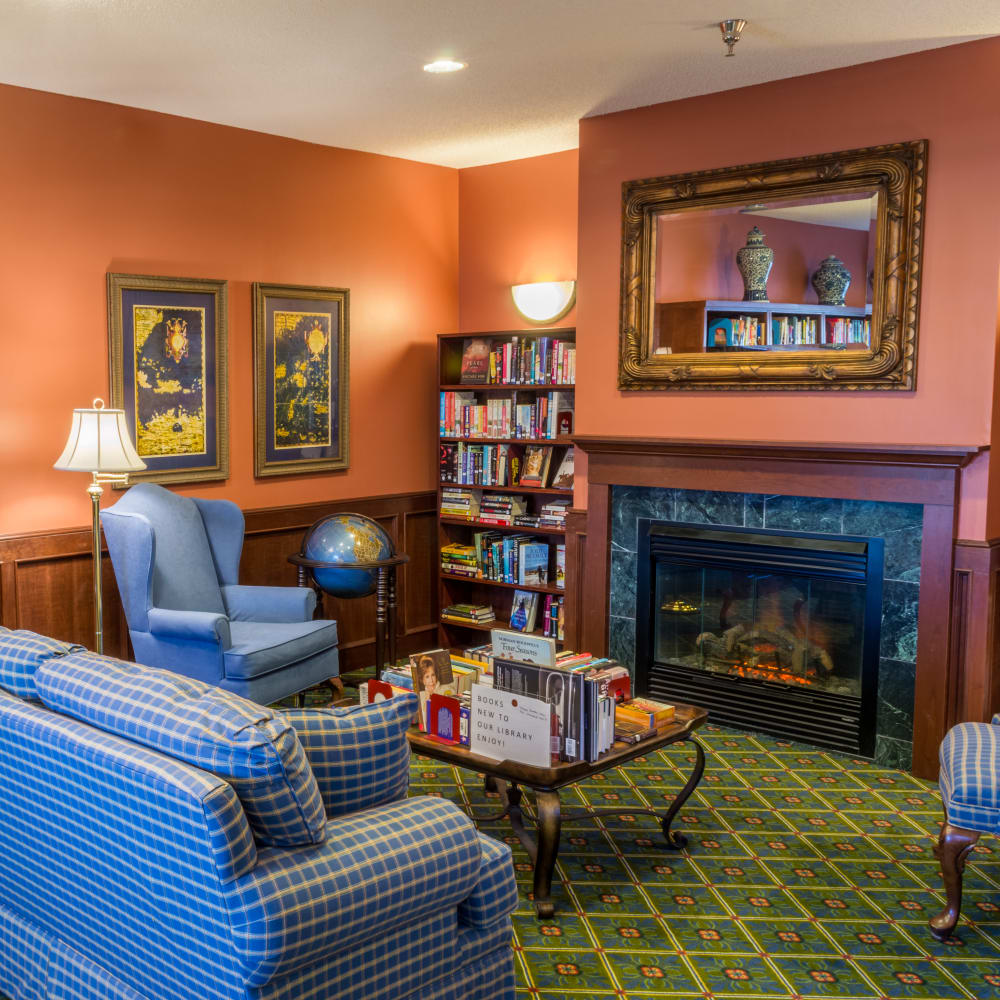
(970, 794)
(129, 873)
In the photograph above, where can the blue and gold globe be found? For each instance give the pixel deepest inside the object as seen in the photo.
(347, 538)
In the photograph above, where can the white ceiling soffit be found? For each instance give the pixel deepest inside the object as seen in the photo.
(856, 213)
(350, 73)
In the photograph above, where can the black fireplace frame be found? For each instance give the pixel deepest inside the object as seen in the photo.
(838, 722)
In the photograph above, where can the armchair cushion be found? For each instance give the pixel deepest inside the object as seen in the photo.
(269, 604)
(260, 647)
(196, 626)
(384, 868)
(251, 747)
(359, 755)
(495, 894)
(970, 776)
(21, 654)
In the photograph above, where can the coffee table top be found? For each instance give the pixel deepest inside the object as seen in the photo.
(687, 718)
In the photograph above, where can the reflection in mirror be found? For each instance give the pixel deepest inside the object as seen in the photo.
(772, 275)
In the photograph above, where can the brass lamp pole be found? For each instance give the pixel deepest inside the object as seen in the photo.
(99, 443)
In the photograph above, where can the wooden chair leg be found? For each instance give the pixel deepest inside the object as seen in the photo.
(336, 687)
(952, 848)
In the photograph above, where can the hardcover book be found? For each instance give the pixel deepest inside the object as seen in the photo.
(523, 611)
(534, 563)
(476, 362)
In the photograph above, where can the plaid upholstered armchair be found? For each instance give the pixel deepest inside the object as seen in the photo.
(970, 792)
(163, 839)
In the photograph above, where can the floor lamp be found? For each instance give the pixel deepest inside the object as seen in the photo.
(99, 443)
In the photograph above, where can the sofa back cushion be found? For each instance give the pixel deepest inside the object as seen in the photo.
(22, 653)
(255, 749)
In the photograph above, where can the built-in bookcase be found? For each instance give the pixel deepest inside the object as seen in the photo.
(490, 433)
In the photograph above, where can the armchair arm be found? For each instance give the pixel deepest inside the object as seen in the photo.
(360, 755)
(193, 626)
(269, 604)
(996, 719)
(388, 867)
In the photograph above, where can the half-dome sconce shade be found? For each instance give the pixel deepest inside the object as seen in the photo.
(544, 301)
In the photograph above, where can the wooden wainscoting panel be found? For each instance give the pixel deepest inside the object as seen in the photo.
(576, 561)
(975, 631)
(45, 577)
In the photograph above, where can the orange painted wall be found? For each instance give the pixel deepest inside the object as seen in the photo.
(517, 224)
(90, 188)
(945, 95)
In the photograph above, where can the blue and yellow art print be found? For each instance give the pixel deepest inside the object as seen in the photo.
(168, 373)
(300, 402)
(303, 358)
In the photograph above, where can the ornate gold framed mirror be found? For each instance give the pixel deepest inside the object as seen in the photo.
(794, 274)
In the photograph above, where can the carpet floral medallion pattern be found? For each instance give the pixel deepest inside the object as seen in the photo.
(807, 875)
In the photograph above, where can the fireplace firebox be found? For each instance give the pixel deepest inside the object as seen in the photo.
(773, 631)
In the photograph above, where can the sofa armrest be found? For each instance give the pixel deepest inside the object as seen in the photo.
(194, 626)
(360, 755)
(387, 867)
(269, 604)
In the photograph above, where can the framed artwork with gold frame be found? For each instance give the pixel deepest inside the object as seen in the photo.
(301, 365)
(167, 348)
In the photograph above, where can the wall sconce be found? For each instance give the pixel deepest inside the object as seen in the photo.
(544, 301)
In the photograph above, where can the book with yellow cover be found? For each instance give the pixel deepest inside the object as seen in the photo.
(645, 710)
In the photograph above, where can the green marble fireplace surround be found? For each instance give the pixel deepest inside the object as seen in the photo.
(899, 524)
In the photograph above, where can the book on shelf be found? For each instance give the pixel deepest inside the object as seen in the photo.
(560, 564)
(461, 560)
(524, 610)
(475, 361)
(533, 563)
(535, 470)
(552, 618)
(553, 514)
(563, 479)
(795, 330)
(848, 330)
(501, 508)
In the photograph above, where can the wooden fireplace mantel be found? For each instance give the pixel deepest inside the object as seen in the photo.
(955, 676)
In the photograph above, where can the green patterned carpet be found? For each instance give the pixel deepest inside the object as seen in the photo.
(807, 874)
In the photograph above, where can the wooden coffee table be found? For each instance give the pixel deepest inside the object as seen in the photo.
(507, 777)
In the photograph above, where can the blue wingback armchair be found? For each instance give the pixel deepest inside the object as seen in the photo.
(177, 560)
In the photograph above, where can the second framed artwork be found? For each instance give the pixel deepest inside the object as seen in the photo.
(301, 358)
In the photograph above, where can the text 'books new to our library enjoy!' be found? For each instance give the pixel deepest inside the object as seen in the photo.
(576, 705)
(506, 478)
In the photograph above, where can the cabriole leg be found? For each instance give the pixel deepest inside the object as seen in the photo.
(952, 848)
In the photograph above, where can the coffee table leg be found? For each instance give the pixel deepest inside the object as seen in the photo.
(675, 840)
(547, 804)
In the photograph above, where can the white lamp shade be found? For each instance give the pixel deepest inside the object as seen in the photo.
(544, 301)
(99, 442)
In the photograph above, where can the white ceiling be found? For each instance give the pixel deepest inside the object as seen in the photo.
(349, 73)
(848, 213)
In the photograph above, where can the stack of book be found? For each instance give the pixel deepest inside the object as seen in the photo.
(542, 417)
(460, 503)
(501, 508)
(642, 718)
(468, 614)
(553, 514)
(460, 560)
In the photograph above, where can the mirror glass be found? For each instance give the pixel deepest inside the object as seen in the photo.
(773, 275)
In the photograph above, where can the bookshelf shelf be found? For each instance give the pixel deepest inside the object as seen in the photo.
(556, 441)
(529, 402)
(507, 387)
(485, 626)
(485, 582)
(548, 491)
(519, 529)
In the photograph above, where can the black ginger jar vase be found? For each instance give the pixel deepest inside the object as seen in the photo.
(831, 281)
(755, 261)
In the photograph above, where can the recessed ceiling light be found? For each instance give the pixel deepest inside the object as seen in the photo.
(444, 66)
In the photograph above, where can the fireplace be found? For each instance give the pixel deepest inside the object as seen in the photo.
(773, 631)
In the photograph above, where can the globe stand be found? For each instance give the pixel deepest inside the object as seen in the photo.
(385, 596)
